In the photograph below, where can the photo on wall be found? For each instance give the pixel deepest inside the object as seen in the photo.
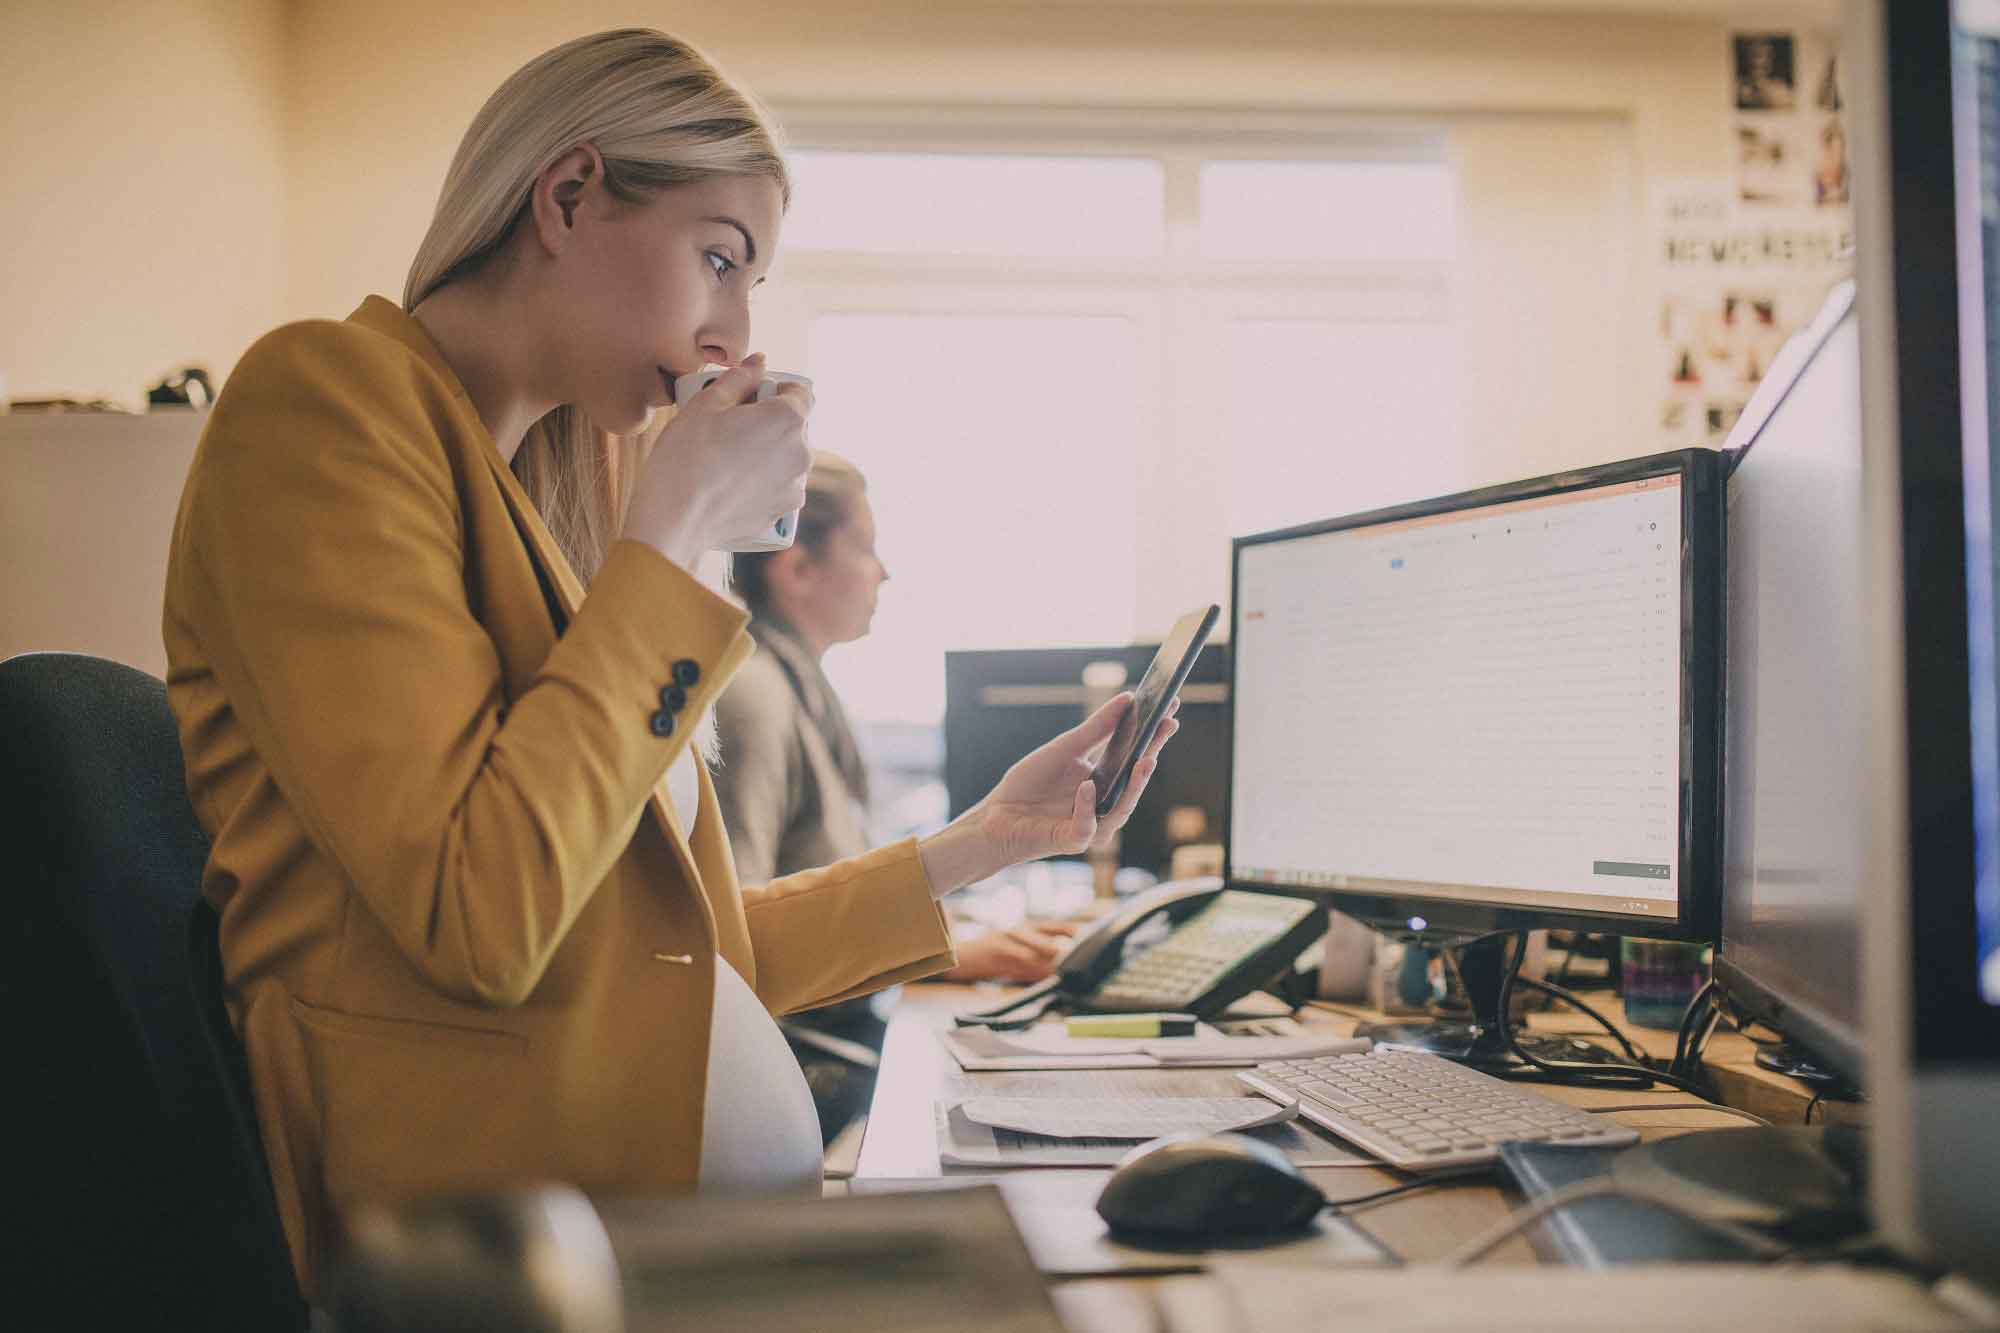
(1829, 172)
(1767, 172)
(1765, 71)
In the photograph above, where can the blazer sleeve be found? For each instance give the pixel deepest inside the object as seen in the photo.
(757, 781)
(324, 562)
(848, 929)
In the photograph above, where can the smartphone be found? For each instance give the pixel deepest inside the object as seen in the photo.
(1157, 688)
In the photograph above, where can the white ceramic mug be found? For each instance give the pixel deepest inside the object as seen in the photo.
(782, 532)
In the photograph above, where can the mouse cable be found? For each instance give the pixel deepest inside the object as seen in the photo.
(1757, 1243)
(1409, 1187)
(1567, 997)
(1578, 1072)
(1716, 1107)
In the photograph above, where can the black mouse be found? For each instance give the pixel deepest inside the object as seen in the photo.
(1207, 1186)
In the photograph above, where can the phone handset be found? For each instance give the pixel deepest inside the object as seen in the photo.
(1096, 954)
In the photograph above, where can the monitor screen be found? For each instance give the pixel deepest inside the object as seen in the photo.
(1793, 850)
(1484, 705)
(1976, 113)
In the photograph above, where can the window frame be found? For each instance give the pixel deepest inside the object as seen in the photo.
(1172, 297)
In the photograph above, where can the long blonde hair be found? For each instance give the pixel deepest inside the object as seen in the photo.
(660, 115)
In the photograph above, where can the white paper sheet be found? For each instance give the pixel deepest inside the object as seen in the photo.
(1124, 1117)
(964, 1144)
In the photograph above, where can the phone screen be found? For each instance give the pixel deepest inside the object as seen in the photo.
(1157, 688)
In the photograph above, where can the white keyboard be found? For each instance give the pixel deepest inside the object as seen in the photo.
(1422, 1112)
(1123, 1117)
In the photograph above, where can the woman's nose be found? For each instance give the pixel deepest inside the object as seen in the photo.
(727, 337)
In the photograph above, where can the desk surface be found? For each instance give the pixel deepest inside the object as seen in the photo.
(900, 1142)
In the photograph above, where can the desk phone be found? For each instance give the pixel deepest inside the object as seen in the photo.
(1221, 945)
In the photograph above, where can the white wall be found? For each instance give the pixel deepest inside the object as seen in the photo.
(146, 178)
(382, 89)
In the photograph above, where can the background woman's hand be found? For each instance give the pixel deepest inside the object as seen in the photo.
(724, 467)
(1028, 952)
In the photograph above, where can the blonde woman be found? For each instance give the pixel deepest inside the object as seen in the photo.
(479, 921)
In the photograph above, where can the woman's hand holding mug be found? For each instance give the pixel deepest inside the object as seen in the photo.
(726, 465)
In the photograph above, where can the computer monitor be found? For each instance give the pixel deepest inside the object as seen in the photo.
(1002, 703)
(1793, 876)
(1489, 712)
(1926, 81)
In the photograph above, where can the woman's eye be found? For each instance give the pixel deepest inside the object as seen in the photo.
(720, 264)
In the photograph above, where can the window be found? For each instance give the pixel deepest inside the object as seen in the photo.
(1337, 212)
(968, 204)
(1074, 368)
(981, 547)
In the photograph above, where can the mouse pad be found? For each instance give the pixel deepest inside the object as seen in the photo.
(1056, 1212)
(1071, 1240)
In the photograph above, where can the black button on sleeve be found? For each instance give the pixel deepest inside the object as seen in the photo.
(673, 698)
(687, 673)
(663, 724)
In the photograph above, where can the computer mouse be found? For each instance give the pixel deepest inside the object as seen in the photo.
(529, 1261)
(1207, 1187)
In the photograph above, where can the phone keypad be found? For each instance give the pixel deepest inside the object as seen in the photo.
(1188, 963)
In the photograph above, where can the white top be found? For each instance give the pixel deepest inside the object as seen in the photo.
(760, 1132)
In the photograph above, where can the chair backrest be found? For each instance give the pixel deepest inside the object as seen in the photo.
(139, 1191)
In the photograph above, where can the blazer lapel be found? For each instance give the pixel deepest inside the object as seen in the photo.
(560, 584)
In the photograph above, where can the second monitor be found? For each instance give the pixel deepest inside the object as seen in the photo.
(1489, 712)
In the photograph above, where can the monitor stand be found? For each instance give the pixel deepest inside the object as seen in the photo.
(1481, 1041)
(1784, 1058)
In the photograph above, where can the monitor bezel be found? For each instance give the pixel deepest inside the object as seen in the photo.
(1952, 1025)
(1742, 970)
(1698, 823)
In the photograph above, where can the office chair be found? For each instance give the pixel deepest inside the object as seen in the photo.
(138, 1195)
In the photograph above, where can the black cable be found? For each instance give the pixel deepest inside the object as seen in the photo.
(1394, 1191)
(1604, 1070)
(1569, 958)
(1557, 992)
(1691, 1019)
(1817, 1098)
(1700, 1044)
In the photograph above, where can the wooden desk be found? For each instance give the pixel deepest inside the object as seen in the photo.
(900, 1142)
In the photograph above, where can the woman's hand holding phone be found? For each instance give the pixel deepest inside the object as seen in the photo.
(725, 465)
(1045, 805)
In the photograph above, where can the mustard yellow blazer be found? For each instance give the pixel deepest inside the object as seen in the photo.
(466, 940)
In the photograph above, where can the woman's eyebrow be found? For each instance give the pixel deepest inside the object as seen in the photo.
(749, 241)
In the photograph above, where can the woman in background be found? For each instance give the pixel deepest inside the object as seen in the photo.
(791, 782)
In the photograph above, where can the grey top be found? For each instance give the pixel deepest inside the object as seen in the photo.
(791, 782)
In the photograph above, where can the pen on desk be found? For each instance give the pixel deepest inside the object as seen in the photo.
(1131, 1025)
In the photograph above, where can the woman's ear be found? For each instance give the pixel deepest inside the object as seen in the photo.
(790, 573)
(571, 185)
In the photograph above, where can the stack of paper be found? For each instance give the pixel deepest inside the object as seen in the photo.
(962, 1142)
(1124, 1117)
